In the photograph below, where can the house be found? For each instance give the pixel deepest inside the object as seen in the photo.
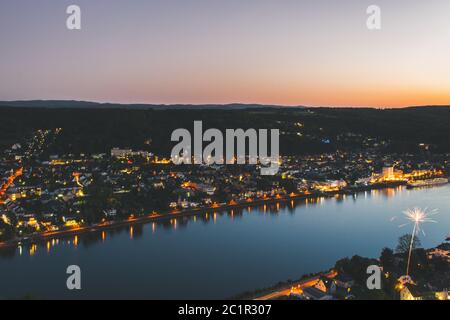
(110, 212)
(326, 285)
(312, 293)
(413, 292)
(438, 253)
(120, 153)
(442, 295)
(344, 281)
(440, 286)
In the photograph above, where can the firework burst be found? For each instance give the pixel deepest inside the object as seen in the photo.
(417, 216)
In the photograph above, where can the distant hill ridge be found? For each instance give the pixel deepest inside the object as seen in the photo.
(137, 106)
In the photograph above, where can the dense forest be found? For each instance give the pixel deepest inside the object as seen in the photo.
(96, 128)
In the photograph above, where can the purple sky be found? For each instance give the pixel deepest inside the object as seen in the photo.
(292, 52)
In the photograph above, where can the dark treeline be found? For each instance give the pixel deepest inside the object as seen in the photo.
(94, 130)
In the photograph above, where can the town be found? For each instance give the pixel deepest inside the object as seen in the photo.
(46, 194)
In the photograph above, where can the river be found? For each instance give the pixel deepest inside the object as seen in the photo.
(218, 255)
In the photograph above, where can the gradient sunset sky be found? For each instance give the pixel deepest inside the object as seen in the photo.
(288, 52)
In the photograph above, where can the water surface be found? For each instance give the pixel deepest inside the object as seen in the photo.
(218, 255)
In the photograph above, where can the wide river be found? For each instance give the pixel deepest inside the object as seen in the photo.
(218, 255)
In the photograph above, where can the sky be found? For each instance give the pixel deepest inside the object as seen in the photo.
(286, 52)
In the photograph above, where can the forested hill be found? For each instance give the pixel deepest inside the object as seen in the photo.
(304, 130)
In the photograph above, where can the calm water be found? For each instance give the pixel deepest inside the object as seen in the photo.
(223, 254)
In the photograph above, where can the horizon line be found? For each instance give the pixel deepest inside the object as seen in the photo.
(2, 102)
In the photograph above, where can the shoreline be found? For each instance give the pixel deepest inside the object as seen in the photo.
(284, 289)
(147, 219)
(157, 217)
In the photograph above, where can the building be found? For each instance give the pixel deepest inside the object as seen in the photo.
(330, 185)
(124, 153)
(441, 251)
(442, 295)
(413, 292)
(389, 174)
(344, 281)
(312, 293)
(120, 153)
(326, 285)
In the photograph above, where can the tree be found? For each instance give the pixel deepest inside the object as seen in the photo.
(100, 197)
(356, 267)
(6, 231)
(387, 257)
(289, 185)
(404, 243)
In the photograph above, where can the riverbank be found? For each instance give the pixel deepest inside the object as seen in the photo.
(284, 289)
(154, 217)
(158, 217)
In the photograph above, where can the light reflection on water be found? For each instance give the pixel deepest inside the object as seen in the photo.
(92, 237)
